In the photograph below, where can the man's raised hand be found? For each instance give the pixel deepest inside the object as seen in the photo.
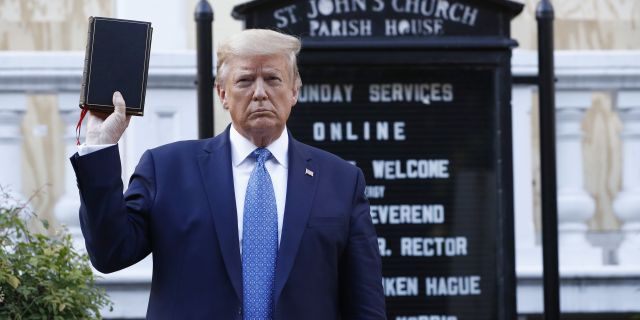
(103, 128)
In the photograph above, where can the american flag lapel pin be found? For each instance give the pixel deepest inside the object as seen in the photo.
(308, 172)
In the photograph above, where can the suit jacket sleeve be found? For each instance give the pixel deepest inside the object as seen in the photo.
(363, 296)
(115, 226)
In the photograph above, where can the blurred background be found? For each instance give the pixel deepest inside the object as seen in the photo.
(42, 45)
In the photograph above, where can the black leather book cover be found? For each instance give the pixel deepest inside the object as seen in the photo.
(116, 59)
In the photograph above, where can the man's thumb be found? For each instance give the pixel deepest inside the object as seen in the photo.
(118, 103)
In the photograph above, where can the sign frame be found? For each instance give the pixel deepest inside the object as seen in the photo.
(489, 51)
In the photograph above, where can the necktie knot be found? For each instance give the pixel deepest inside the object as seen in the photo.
(262, 155)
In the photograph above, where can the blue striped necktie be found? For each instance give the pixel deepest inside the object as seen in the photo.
(259, 241)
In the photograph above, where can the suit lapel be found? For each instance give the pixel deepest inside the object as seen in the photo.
(217, 177)
(300, 192)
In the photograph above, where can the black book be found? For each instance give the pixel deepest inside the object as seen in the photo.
(116, 59)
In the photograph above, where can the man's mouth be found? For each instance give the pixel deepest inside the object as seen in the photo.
(261, 112)
(260, 108)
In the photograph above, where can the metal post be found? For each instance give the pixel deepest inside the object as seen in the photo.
(204, 40)
(545, 16)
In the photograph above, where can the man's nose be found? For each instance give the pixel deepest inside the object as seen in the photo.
(260, 93)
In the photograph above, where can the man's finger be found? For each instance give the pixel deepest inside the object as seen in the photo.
(114, 126)
(94, 124)
(97, 115)
(118, 103)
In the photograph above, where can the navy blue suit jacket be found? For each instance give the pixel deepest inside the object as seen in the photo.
(180, 206)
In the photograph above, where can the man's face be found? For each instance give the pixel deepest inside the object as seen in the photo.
(259, 93)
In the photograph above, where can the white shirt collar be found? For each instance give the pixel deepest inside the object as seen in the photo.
(241, 147)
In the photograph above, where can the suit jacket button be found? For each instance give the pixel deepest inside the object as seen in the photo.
(240, 311)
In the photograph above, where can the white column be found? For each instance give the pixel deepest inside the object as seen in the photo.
(575, 205)
(170, 21)
(66, 209)
(170, 115)
(627, 204)
(528, 252)
(12, 109)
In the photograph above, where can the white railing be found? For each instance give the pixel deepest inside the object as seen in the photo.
(170, 115)
(595, 266)
(599, 269)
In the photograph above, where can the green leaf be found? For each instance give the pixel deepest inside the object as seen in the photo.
(45, 223)
(50, 280)
(13, 281)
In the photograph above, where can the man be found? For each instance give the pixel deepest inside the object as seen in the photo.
(251, 224)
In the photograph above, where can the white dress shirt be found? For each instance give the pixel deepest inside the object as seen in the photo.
(242, 165)
(85, 149)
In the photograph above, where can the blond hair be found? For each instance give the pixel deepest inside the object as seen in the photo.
(258, 42)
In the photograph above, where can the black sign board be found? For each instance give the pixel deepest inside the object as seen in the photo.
(426, 116)
(349, 20)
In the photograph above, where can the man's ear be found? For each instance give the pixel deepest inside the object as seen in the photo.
(222, 94)
(294, 97)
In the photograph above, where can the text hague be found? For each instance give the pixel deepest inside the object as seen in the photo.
(433, 286)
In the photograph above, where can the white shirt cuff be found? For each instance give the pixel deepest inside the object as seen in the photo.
(84, 149)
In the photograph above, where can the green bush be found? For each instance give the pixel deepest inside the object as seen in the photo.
(42, 277)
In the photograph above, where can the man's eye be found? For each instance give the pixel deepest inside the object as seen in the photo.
(243, 81)
(273, 79)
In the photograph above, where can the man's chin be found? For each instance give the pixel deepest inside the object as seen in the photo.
(265, 126)
(263, 134)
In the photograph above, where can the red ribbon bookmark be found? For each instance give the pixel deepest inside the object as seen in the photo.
(79, 125)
